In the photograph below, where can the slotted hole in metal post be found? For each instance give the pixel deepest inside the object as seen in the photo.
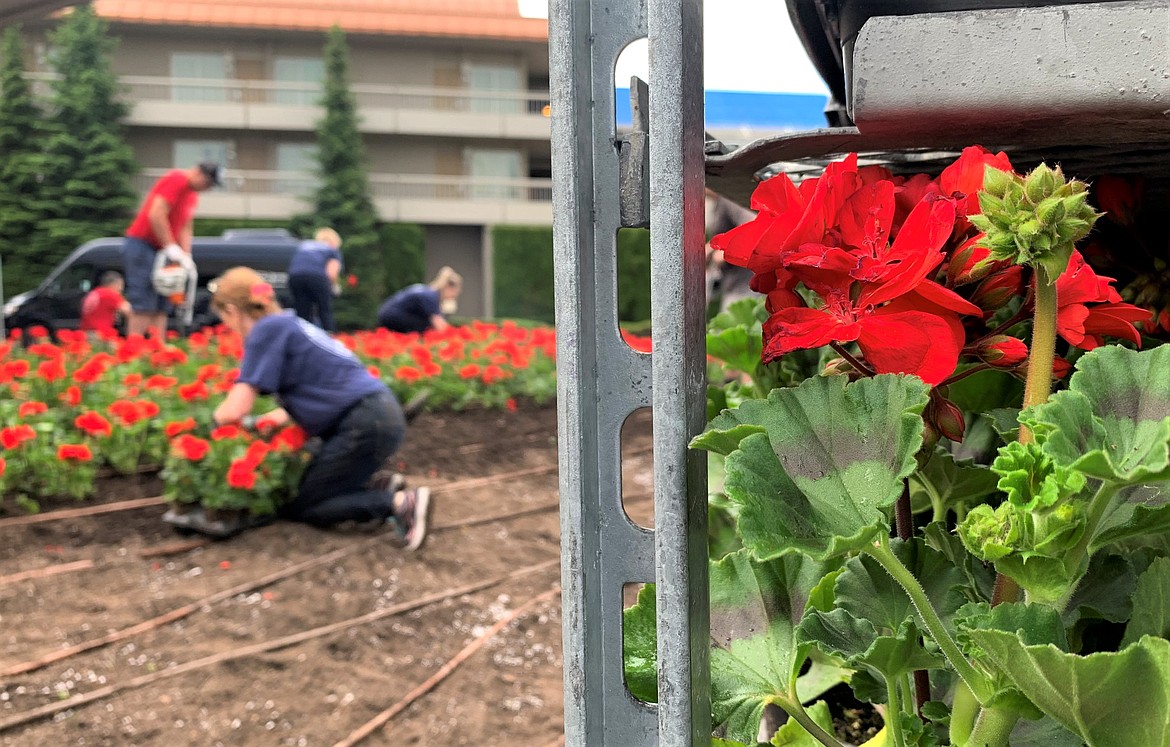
(638, 468)
(633, 286)
(639, 672)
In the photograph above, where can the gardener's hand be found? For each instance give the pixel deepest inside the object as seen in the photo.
(174, 253)
(336, 289)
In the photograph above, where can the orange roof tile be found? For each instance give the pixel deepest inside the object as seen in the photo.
(480, 19)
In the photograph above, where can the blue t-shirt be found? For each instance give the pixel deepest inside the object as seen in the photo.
(410, 309)
(315, 377)
(311, 257)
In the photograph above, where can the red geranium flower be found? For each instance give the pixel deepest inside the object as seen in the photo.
(408, 374)
(29, 409)
(175, 427)
(71, 396)
(74, 453)
(470, 371)
(196, 390)
(228, 431)
(189, 447)
(241, 475)
(3, 466)
(93, 424)
(292, 437)
(351, 280)
(160, 382)
(51, 370)
(1085, 326)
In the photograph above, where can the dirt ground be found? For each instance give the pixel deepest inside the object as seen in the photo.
(317, 691)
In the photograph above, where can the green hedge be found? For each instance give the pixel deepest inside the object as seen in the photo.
(523, 269)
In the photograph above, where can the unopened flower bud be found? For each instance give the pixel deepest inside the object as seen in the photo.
(1060, 368)
(998, 289)
(970, 263)
(1003, 351)
(946, 418)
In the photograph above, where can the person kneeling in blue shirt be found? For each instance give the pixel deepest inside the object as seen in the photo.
(418, 307)
(322, 387)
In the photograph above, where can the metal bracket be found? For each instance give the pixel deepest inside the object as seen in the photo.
(634, 157)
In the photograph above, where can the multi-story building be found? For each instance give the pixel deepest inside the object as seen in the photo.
(452, 96)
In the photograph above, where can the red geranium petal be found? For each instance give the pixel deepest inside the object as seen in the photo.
(803, 328)
(911, 342)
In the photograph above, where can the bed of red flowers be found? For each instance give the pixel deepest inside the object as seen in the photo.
(79, 406)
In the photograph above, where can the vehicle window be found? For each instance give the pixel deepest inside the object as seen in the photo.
(78, 277)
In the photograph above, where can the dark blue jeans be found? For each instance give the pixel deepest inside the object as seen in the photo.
(309, 291)
(335, 486)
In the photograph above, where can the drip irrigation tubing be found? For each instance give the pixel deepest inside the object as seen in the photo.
(45, 711)
(444, 671)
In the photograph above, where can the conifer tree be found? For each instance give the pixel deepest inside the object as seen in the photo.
(343, 199)
(87, 166)
(20, 145)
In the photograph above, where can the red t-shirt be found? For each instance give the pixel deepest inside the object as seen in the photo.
(176, 190)
(99, 307)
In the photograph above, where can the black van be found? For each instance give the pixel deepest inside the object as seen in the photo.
(56, 302)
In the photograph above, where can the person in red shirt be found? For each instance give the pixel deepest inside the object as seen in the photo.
(163, 224)
(103, 303)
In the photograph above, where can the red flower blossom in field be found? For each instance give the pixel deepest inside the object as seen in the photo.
(175, 427)
(3, 466)
(196, 390)
(16, 369)
(208, 372)
(963, 179)
(132, 411)
(51, 370)
(167, 356)
(91, 371)
(493, 373)
(14, 436)
(74, 453)
(291, 437)
(470, 371)
(241, 475)
(29, 409)
(132, 379)
(408, 374)
(147, 408)
(351, 280)
(38, 330)
(190, 448)
(45, 350)
(93, 424)
(640, 344)
(1085, 326)
(255, 454)
(373, 371)
(510, 404)
(71, 396)
(225, 432)
(161, 383)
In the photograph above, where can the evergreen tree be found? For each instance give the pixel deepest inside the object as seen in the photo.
(87, 166)
(20, 141)
(343, 199)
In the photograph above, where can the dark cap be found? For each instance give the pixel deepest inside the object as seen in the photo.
(213, 171)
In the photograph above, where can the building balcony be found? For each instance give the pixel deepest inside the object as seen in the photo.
(404, 198)
(292, 107)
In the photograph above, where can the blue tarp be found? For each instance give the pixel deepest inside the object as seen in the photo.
(763, 111)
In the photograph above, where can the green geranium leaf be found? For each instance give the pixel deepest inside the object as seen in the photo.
(716, 401)
(1043, 732)
(755, 607)
(1113, 422)
(1031, 479)
(1136, 511)
(716, 742)
(980, 578)
(1005, 421)
(858, 642)
(745, 312)
(640, 646)
(823, 675)
(792, 734)
(944, 483)
(823, 596)
(867, 591)
(815, 484)
(986, 390)
(1038, 624)
(1111, 699)
(737, 347)
(1151, 604)
(1105, 593)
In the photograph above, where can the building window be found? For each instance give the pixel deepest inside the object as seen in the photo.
(296, 164)
(494, 165)
(210, 70)
(490, 79)
(303, 76)
(190, 152)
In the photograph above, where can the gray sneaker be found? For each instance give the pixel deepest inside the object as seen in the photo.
(389, 480)
(411, 516)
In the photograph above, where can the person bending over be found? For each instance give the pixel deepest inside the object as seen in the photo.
(102, 304)
(313, 277)
(419, 307)
(322, 387)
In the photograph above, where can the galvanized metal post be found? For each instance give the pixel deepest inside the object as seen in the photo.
(601, 380)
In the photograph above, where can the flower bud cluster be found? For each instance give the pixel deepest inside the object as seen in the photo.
(1034, 219)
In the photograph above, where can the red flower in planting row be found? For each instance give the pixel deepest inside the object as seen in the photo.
(190, 447)
(196, 390)
(74, 453)
(14, 436)
(93, 424)
(29, 409)
(132, 411)
(175, 427)
(1083, 326)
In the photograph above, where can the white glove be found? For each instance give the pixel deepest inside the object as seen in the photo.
(336, 290)
(175, 253)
